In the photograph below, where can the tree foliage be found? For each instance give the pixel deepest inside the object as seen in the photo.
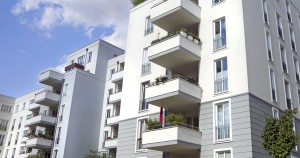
(137, 2)
(95, 154)
(279, 137)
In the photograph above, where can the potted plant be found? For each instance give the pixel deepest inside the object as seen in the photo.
(190, 36)
(183, 32)
(152, 124)
(175, 119)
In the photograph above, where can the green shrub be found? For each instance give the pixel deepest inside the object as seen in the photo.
(175, 119)
(153, 124)
(137, 2)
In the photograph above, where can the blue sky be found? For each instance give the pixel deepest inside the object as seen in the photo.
(37, 35)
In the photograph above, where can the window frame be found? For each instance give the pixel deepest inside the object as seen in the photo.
(223, 150)
(137, 134)
(215, 104)
(273, 112)
(272, 78)
(215, 75)
(223, 46)
(265, 9)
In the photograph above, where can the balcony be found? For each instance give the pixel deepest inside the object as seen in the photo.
(39, 143)
(176, 53)
(117, 77)
(111, 143)
(178, 94)
(115, 98)
(113, 120)
(34, 107)
(166, 12)
(41, 120)
(47, 98)
(51, 78)
(174, 139)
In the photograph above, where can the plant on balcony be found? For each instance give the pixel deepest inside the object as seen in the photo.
(95, 154)
(34, 156)
(279, 137)
(175, 119)
(161, 79)
(137, 2)
(153, 124)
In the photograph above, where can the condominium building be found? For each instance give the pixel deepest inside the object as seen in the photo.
(244, 66)
(6, 107)
(62, 119)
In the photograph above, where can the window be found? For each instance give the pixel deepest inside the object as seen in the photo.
(296, 67)
(288, 11)
(24, 105)
(112, 71)
(6, 108)
(273, 86)
(13, 153)
(80, 60)
(279, 26)
(293, 43)
(223, 154)
(17, 108)
(143, 103)
(287, 90)
(220, 34)
(6, 153)
(217, 1)
(283, 59)
(221, 75)
(222, 121)
(141, 128)
(55, 153)
(65, 89)
(58, 135)
(13, 124)
(110, 92)
(16, 139)
(8, 144)
(61, 112)
(269, 46)
(148, 26)
(20, 123)
(265, 10)
(146, 66)
(89, 58)
(3, 125)
(2, 136)
(275, 112)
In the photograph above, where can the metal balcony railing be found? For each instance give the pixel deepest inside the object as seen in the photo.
(221, 85)
(223, 132)
(146, 68)
(220, 43)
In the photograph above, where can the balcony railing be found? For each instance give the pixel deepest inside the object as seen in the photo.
(223, 132)
(221, 85)
(220, 43)
(146, 68)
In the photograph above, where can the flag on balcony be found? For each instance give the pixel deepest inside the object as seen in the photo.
(161, 115)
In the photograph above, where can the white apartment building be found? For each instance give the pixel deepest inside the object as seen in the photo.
(62, 119)
(6, 107)
(246, 66)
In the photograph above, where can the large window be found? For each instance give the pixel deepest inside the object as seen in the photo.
(269, 46)
(143, 103)
(296, 67)
(148, 26)
(287, 90)
(279, 26)
(6, 108)
(293, 43)
(2, 136)
(3, 125)
(265, 10)
(223, 154)
(283, 59)
(221, 75)
(141, 128)
(222, 121)
(220, 34)
(146, 66)
(273, 86)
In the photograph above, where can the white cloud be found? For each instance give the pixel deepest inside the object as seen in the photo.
(88, 15)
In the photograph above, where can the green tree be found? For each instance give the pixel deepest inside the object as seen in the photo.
(279, 137)
(137, 2)
(95, 154)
